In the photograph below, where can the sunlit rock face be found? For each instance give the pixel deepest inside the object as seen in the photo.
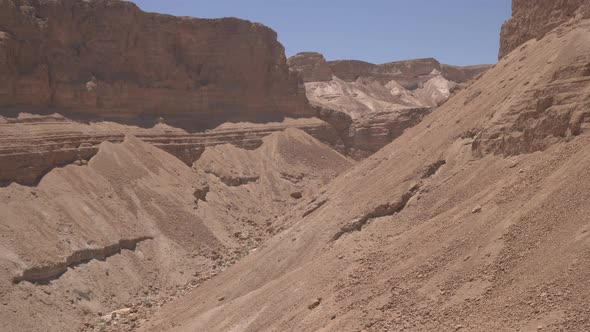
(110, 59)
(534, 18)
(370, 105)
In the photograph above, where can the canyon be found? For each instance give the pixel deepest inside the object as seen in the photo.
(162, 173)
(475, 219)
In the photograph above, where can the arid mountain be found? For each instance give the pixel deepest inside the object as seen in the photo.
(476, 219)
(136, 226)
(70, 80)
(32, 145)
(371, 105)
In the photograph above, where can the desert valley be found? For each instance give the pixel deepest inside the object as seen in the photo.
(162, 173)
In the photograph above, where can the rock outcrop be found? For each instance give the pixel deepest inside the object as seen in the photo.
(75, 73)
(134, 225)
(312, 67)
(534, 18)
(108, 59)
(370, 105)
(32, 145)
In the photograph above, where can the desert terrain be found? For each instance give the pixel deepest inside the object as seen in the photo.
(185, 175)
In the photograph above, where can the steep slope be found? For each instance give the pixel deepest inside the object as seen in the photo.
(32, 145)
(260, 187)
(134, 226)
(476, 219)
(370, 105)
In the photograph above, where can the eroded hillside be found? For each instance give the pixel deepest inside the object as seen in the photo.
(206, 194)
(371, 105)
(136, 226)
(476, 219)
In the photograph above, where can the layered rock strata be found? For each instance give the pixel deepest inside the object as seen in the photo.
(32, 145)
(370, 105)
(108, 59)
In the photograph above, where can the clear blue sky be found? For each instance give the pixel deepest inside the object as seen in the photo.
(460, 32)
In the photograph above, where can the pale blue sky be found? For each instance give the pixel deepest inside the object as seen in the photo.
(460, 32)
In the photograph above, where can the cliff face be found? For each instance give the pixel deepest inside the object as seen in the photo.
(534, 18)
(33, 145)
(370, 105)
(65, 66)
(109, 59)
(313, 67)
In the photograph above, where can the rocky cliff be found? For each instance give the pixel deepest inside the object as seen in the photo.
(370, 105)
(76, 73)
(32, 145)
(534, 18)
(108, 59)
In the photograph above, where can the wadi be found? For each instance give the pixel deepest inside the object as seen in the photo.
(163, 173)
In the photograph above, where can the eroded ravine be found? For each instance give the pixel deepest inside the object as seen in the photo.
(46, 273)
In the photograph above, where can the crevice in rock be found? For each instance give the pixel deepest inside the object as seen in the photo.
(43, 275)
(383, 210)
(187, 153)
(314, 205)
(341, 123)
(201, 192)
(234, 181)
(431, 169)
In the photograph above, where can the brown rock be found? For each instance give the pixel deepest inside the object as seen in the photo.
(370, 105)
(312, 66)
(296, 194)
(314, 304)
(108, 59)
(534, 18)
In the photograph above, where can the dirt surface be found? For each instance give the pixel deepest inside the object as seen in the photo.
(476, 219)
(370, 105)
(134, 226)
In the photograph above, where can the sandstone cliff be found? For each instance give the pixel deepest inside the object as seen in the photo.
(534, 18)
(370, 105)
(76, 73)
(108, 59)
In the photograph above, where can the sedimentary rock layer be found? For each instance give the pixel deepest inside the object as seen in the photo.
(108, 59)
(69, 246)
(32, 145)
(370, 105)
(495, 240)
(408, 73)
